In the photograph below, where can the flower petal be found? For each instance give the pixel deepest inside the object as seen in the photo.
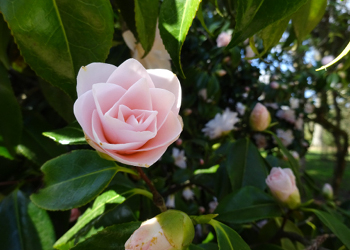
(162, 101)
(83, 109)
(165, 79)
(129, 39)
(128, 73)
(91, 74)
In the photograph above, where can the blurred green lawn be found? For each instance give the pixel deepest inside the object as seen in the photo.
(320, 167)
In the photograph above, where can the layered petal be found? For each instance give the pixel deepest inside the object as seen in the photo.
(91, 74)
(83, 109)
(162, 101)
(165, 79)
(128, 73)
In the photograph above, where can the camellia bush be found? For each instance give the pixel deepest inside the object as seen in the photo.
(172, 124)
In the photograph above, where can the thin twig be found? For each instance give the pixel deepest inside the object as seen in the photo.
(157, 198)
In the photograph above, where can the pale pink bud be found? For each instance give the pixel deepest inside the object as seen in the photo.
(221, 72)
(327, 59)
(327, 191)
(201, 210)
(201, 161)
(282, 185)
(187, 112)
(171, 230)
(178, 142)
(74, 214)
(223, 39)
(274, 85)
(260, 118)
(227, 59)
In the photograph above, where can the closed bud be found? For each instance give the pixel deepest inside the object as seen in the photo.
(282, 186)
(171, 230)
(260, 118)
(327, 191)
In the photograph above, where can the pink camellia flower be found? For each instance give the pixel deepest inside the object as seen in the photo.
(223, 39)
(274, 85)
(260, 118)
(171, 230)
(282, 185)
(327, 59)
(128, 113)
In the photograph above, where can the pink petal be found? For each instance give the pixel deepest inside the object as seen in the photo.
(167, 134)
(139, 125)
(136, 97)
(106, 95)
(101, 141)
(162, 101)
(139, 159)
(83, 109)
(128, 73)
(91, 74)
(165, 79)
(129, 39)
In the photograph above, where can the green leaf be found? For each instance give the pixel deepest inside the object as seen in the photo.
(334, 224)
(63, 36)
(23, 225)
(146, 16)
(247, 205)
(97, 209)
(269, 247)
(111, 238)
(5, 35)
(73, 179)
(201, 19)
(127, 10)
(245, 165)
(194, 247)
(307, 17)
(272, 34)
(228, 238)
(34, 145)
(10, 117)
(59, 101)
(255, 15)
(71, 135)
(175, 19)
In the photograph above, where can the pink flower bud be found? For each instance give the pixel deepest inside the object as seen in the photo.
(221, 72)
(223, 39)
(74, 214)
(260, 118)
(201, 161)
(171, 230)
(178, 142)
(327, 191)
(187, 112)
(274, 85)
(327, 59)
(282, 185)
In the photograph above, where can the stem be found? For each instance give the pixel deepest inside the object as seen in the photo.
(157, 198)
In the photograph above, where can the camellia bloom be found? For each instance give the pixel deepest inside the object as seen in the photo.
(171, 230)
(223, 39)
(240, 108)
(294, 103)
(282, 185)
(327, 59)
(260, 140)
(188, 194)
(327, 191)
(179, 158)
(129, 114)
(309, 108)
(221, 124)
(286, 136)
(288, 115)
(274, 85)
(157, 58)
(259, 118)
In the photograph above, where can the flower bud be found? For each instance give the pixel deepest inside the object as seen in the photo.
(327, 191)
(171, 230)
(260, 118)
(282, 185)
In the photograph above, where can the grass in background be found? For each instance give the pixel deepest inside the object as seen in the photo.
(320, 167)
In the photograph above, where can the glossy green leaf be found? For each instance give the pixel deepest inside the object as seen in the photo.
(272, 34)
(59, 101)
(228, 238)
(97, 209)
(72, 135)
(10, 117)
(335, 225)
(57, 37)
(127, 11)
(194, 247)
(34, 145)
(307, 17)
(255, 15)
(146, 16)
(4, 41)
(111, 238)
(175, 19)
(245, 165)
(201, 19)
(24, 226)
(247, 205)
(73, 179)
